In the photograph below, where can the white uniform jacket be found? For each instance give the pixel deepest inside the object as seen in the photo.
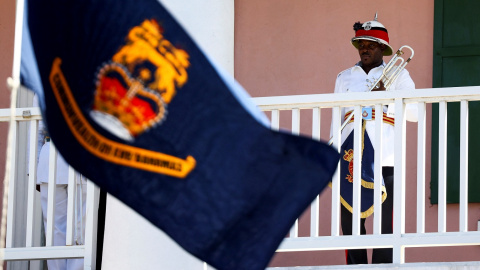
(355, 79)
(43, 154)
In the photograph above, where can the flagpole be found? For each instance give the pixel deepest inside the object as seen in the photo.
(13, 83)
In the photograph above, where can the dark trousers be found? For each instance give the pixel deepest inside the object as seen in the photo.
(380, 255)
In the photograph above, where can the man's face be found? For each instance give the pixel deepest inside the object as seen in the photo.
(371, 53)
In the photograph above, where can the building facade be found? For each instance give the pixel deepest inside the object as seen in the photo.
(285, 47)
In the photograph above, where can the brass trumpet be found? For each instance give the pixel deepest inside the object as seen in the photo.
(391, 70)
(389, 75)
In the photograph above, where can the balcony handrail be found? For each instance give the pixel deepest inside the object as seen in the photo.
(427, 95)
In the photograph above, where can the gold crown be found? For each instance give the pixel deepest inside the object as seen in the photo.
(125, 98)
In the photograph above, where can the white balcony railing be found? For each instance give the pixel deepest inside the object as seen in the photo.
(399, 240)
(30, 249)
(25, 237)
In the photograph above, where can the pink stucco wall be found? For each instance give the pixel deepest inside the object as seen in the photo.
(7, 29)
(286, 47)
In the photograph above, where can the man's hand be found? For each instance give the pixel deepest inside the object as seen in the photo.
(379, 87)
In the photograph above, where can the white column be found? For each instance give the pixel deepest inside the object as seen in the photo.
(210, 23)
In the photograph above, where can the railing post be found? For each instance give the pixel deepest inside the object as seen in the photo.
(315, 205)
(377, 202)
(464, 117)
(442, 167)
(316, 121)
(336, 135)
(421, 142)
(93, 197)
(71, 214)
(32, 177)
(275, 122)
(295, 131)
(11, 189)
(357, 169)
(51, 204)
(399, 181)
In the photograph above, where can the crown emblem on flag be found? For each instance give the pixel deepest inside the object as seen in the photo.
(135, 87)
(120, 96)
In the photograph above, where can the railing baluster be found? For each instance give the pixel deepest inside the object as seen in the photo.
(71, 215)
(336, 135)
(296, 121)
(52, 183)
(377, 217)
(464, 116)
(32, 176)
(357, 169)
(314, 206)
(275, 124)
(442, 167)
(295, 131)
(91, 216)
(399, 180)
(316, 116)
(11, 189)
(314, 217)
(421, 142)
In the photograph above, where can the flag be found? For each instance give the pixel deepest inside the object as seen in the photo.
(367, 178)
(133, 104)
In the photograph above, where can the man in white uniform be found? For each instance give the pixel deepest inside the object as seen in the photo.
(372, 42)
(61, 199)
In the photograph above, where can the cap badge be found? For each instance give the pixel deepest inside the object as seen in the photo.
(368, 26)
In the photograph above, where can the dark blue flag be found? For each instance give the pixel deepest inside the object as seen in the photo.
(133, 104)
(346, 174)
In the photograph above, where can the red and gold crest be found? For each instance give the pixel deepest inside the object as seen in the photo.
(348, 156)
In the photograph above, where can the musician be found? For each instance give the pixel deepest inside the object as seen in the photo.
(372, 42)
